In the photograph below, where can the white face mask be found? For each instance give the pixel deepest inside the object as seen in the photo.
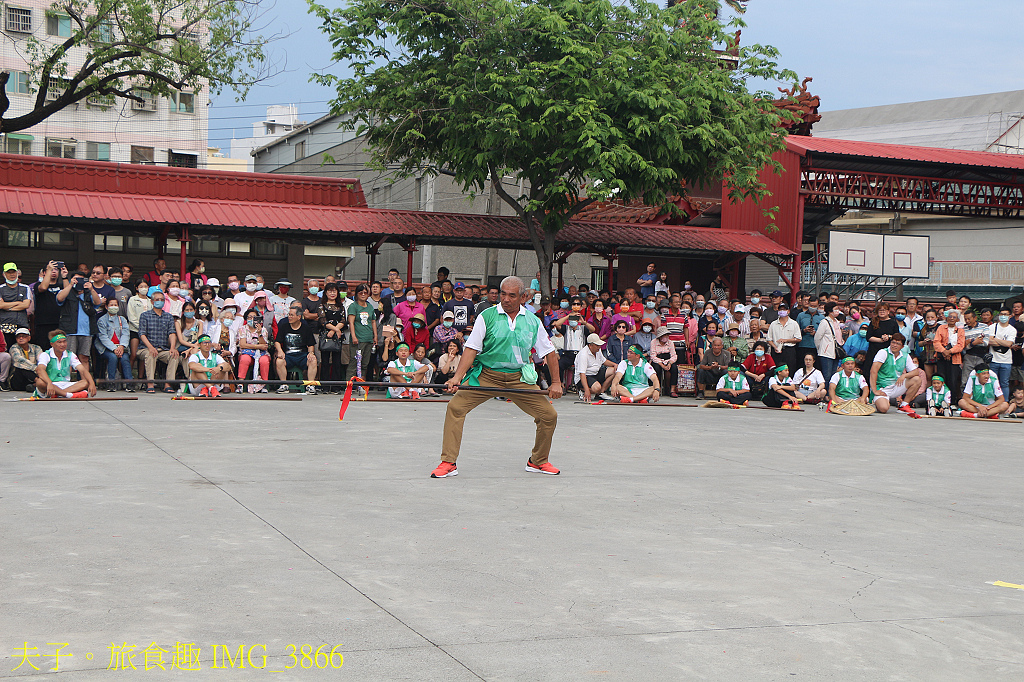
(174, 291)
(411, 298)
(250, 287)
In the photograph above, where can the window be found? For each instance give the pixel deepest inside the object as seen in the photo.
(103, 33)
(97, 151)
(182, 160)
(266, 249)
(142, 155)
(61, 148)
(103, 101)
(108, 242)
(300, 150)
(58, 25)
(140, 243)
(183, 102)
(56, 87)
(18, 19)
(18, 238)
(51, 240)
(207, 246)
(148, 102)
(15, 143)
(17, 84)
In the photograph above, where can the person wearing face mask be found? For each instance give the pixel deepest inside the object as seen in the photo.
(244, 298)
(120, 293)
(174, 301)
(708, 315)
(755, 302)
(739, 318)
(112, 342)
(808, 319)
(854, 319)
(858, 341)
(409, 305)
(224, 334)
(464, 311)
(926, 329)
(194, 278)
(205, 313)
(416, 333)
(445, 332)
(783, 335)
(15, 300)
(650, 312)
(601, 321)
(234, 286)
(253, 350)
(736, 343)
(758, 368)
(644, 337)
(1002, 336)
(682, 328)
(159, 342)
(188, 328)
(137, 304)
(574, 328)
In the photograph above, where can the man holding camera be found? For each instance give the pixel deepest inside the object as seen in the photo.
(78, 302)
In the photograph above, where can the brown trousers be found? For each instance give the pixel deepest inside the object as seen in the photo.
(537, 406)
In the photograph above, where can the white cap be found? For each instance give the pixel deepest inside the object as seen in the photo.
(739, 308)
(21, 330)
(213, 282)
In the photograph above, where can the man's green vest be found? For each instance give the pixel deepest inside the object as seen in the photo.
(984, 393)
(635, 376)
(505, 349)
(848, 387)
(892, 369)
(59, 370)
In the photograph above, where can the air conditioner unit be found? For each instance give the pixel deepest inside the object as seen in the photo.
(149, 104)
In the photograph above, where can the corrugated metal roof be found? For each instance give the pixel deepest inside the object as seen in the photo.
(329, 221)
(903, 152)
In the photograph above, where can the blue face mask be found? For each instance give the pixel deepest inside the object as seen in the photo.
(189, 314)
(447, 323)
(563, 305)
(900, 317)
(759, 353)
(158, 304)
(259, 286)
(863, 333)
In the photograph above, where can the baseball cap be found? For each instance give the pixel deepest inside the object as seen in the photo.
(283, 282)
(213, 282)
(254, 278)
(739, 308)
(21, 330)
(460, 285)
(10, 266)
(595, 339)
(776, 294)
(448, 315)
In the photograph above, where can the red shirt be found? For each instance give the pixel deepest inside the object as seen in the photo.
(762, 366)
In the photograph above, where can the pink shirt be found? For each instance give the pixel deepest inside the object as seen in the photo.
(405, 310)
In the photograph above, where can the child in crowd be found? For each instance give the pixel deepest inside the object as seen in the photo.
(781, 390)
(405, 370)
(937, 399)
(1017, 404)
(732, 387)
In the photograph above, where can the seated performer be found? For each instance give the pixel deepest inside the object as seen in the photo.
(207, 366)
(848, 391)
(782, 392)
(894, 376)
(983, 398)
(937, 399)
(631, 379)
(733, 388)
(405, 370)
(53, 371)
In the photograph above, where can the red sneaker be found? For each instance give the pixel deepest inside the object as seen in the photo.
(905, 407)
(965, 413)
(444, 470)
(643, 401)
(80, 394)
(214, 392)
(625, 399)
(993, 416)
(415, 395)
(204, 392)
(545, 468)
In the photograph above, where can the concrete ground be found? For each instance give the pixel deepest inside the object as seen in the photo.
(678, 544)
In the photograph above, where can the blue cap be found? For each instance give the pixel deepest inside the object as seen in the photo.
(459, 285)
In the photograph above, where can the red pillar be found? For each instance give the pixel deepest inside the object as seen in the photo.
(799, 251)
(183, 241)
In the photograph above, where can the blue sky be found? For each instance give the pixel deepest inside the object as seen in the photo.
(860, 53)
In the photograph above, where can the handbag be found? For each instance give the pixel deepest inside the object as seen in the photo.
(330, 344)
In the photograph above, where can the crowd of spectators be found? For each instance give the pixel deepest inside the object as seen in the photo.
(632, 345)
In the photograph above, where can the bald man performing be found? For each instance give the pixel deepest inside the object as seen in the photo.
(497, 353)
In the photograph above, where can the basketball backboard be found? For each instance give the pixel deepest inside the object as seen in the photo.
(905, 256)
(854, 253)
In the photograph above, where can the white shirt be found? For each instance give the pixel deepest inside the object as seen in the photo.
(1003, 354)
(541, 345)
(743, 387)
(973, 379)
(810, 381)
(45, 357)
(648, 370)
(881, 356)
(783, 330)
(588, 363)
(244, 299)
(861, 382)
(280, 306)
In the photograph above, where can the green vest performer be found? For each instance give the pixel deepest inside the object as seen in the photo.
(498, 354)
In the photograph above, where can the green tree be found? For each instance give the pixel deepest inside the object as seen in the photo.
(135, 49)
(580, 99)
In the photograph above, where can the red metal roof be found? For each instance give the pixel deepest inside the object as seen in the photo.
(41, 172)
(904, 152)
(221, 217)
